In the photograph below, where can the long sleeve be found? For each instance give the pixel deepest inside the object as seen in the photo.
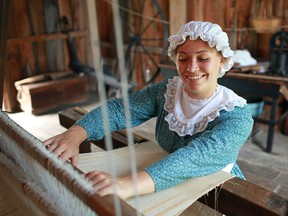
(143, 105)
(203, 153)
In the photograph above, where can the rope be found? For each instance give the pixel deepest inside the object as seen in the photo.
(113, 3)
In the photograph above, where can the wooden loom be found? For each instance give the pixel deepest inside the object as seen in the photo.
(234, 198)
(20, 150)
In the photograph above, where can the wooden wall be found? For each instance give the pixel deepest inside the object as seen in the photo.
(36, 44)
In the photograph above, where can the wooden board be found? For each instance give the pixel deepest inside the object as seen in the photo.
(238, 197)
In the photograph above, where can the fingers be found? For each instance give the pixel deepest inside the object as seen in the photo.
(51, 144)
(60, 148)
(55, 147)
(101, 182)
(104, 184)
(66, 145)
(95, 176)
(47, 143)
(51, 147)
(74, 160)
(66, 155)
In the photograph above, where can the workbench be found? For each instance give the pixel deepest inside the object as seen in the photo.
(263, 86)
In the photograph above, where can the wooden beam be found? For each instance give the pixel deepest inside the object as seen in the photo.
(4, 6)
(94, 35)
(238, 197)
(45, 37)
(177, 15)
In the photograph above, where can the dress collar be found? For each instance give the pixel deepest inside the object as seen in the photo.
(188, 116)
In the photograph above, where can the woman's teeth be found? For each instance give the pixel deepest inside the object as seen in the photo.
(194, 77)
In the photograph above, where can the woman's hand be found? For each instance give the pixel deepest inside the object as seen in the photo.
(66, 145)
(124, 187)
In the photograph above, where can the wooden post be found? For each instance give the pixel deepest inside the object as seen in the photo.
(178, 15)
(94, 35)
(4, 6)
(94, 40)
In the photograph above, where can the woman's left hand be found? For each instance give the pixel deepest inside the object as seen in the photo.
(124, 187)
(104, 184)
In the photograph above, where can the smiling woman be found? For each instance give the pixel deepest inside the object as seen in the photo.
(200, 124)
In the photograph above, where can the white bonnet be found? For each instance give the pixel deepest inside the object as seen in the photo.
(209, 32)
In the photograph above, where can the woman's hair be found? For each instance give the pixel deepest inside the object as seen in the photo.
(206, 31)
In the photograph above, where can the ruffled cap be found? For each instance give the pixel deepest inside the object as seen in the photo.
(209, 32)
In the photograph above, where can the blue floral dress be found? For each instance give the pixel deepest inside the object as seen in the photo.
(197, 148)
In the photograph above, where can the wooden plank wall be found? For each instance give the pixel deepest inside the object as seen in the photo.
(36, 44)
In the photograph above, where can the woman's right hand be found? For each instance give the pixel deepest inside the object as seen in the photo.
(66, 145)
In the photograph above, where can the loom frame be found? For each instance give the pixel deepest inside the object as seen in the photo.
(28, 143)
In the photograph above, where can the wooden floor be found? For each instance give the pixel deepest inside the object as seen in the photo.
(10, 206)
(269, 170)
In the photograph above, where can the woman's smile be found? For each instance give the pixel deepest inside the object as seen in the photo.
(194, 77)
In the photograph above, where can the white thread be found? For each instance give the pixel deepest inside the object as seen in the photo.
(54, 190)
(124, 90)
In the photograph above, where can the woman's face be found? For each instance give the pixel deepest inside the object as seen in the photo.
(198, 66)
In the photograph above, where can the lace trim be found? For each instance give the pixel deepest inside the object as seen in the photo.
(185, 127)
(201, 100)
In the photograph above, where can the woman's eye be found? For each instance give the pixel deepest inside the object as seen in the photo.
(182, 59)
(203, 59)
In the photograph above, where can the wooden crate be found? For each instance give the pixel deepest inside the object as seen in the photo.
(42, 96)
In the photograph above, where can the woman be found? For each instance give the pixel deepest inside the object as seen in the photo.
(200, 123)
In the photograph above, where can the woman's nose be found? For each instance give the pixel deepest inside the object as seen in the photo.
(193, 67)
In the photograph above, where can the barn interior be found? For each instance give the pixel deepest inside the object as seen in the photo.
(62, 58)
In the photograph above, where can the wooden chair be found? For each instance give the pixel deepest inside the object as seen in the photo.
(270, 91)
